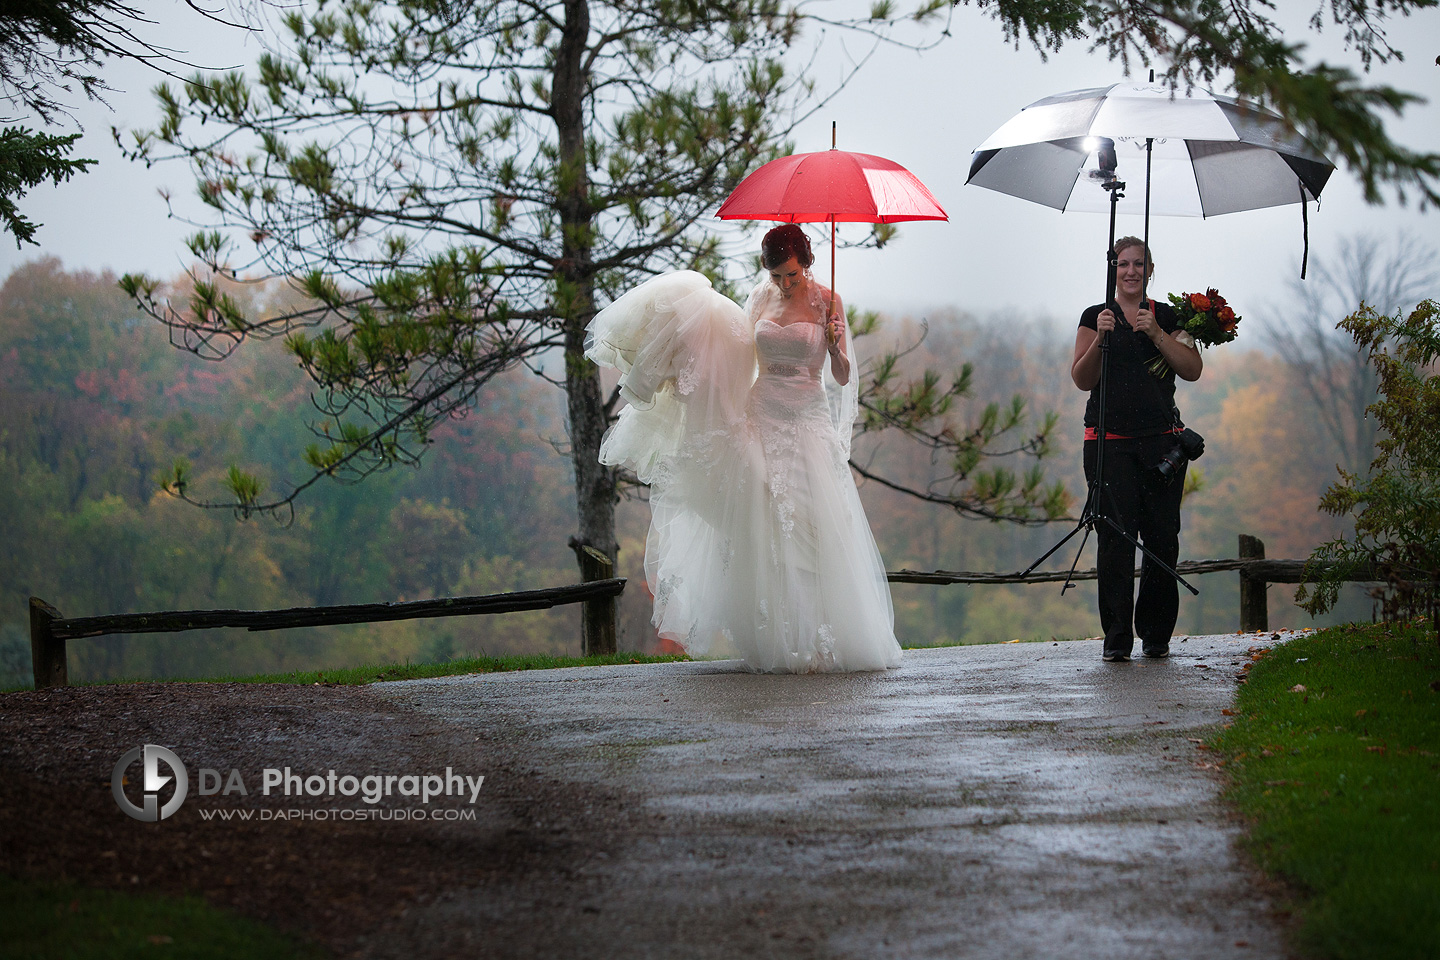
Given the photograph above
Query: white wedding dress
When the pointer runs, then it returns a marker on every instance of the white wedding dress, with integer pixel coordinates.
(758, 546)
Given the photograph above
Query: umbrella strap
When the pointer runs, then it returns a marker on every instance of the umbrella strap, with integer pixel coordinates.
(1305, 229)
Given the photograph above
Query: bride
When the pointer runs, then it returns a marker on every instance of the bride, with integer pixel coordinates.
(740, 421)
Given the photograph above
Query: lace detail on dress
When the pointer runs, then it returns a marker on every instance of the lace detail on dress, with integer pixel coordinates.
(687, 380)
(665, 590)
(785, 513)
(825, 649)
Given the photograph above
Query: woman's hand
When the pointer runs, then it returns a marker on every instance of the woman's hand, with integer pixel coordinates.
(1085, 366)
(1184, 360)
(1146, 323)
(835, 343)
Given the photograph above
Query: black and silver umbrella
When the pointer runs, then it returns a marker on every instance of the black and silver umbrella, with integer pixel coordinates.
(1198, 154)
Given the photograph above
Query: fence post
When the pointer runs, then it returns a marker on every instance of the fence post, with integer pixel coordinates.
(47, 653)
(597, 617)
(1254, 611)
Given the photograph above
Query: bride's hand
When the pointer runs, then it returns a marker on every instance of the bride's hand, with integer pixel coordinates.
(834, 331)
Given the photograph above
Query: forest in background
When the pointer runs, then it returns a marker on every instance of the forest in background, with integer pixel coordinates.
(95, 404)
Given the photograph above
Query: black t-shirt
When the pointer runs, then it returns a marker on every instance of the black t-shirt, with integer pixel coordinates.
(1137, 403)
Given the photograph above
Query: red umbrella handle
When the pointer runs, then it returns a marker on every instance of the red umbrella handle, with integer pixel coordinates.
(833, 227)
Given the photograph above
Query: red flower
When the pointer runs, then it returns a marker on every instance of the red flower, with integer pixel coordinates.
(1224, 313)
(1200, 302)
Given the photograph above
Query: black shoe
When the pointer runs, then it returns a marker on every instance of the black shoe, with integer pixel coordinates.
(1157, 653)
(1115, 656)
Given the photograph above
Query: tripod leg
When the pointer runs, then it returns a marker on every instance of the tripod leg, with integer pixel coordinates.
(1084, 524)
(1149, 554)
(1069, 581)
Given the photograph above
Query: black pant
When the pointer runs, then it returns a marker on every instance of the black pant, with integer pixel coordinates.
(1149, 509)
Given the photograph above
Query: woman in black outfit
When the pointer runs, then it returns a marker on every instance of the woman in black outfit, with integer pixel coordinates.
(1141, 423)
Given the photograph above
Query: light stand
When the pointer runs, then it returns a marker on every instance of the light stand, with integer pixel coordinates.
(1094, 510)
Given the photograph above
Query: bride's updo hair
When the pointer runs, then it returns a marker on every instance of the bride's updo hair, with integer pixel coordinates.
(784, 242)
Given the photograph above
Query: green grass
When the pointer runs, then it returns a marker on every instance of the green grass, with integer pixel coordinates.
(1341, 784)
(370, 673)
(353, 676)
(48, 921)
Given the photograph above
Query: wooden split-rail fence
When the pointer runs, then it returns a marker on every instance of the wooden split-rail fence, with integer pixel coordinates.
(50, 629)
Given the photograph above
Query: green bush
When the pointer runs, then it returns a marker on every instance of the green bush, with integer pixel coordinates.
(1396, 507)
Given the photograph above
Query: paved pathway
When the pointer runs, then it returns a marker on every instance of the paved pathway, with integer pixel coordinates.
(1005, 801)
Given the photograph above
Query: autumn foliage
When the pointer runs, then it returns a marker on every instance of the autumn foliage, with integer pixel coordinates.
(96, 405)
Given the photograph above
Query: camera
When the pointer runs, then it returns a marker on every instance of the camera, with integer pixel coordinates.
(1189, 445)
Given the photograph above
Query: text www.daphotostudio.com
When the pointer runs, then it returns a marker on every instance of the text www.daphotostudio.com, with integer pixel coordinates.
(157, 802)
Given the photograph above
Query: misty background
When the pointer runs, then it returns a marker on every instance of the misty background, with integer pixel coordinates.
(94, 401)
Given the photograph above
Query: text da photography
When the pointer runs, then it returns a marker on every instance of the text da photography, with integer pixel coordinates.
(166, 783)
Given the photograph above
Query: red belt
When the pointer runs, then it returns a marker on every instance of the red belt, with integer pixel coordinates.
(1092, 433)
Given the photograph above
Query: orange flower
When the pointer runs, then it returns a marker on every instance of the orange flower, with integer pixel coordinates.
(1200, 302)
(1225, 313)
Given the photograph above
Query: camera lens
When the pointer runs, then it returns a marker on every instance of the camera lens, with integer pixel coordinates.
(1171, 465)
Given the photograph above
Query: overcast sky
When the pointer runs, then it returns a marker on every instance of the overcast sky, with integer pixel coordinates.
(927, 111)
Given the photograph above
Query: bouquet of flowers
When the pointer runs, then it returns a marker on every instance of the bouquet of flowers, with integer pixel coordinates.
(1205, 318)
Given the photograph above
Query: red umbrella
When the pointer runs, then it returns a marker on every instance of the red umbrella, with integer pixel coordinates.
(834, 186)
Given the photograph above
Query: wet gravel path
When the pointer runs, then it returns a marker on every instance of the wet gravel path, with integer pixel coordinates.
(1009, 801)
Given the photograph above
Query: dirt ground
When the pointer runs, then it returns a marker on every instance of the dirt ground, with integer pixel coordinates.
(336, 883)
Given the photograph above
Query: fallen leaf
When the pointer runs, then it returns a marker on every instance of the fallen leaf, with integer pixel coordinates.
(1228, 713)
(1374, 749)
(1359, 713)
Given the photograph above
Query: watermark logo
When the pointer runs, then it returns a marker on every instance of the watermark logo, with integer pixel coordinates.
(151, 756)
(161, 767)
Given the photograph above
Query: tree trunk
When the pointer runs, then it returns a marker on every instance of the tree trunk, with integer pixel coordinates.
(575, 286)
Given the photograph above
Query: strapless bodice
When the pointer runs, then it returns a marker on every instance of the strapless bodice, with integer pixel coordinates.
(791, 350)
